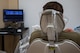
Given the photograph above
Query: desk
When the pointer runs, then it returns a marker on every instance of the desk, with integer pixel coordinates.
(10, 38)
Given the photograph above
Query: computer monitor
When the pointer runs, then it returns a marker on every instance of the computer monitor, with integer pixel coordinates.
(12, 15)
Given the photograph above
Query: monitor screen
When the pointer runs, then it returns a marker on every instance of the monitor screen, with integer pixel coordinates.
(12, 15)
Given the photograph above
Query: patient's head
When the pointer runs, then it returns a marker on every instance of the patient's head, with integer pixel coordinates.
(53, 5)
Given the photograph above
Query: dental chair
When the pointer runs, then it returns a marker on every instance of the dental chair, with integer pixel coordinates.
(52, 24)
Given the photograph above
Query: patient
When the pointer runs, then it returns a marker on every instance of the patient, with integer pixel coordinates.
(66, 34)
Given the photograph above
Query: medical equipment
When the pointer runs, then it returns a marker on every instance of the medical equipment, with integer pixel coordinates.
(52, 24)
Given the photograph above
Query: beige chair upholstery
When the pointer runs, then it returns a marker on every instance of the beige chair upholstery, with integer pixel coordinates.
(3, 52)
(41, 46)
(37, 46)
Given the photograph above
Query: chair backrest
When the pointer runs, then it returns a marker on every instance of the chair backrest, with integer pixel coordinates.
(40, 46)
(52, 24)
(37, 46)
(67, 46)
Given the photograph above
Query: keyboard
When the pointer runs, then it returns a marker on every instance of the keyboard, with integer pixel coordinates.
(3, 32)
(7, 31)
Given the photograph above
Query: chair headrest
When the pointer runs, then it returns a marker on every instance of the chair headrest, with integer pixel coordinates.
(52, 18)
(52, 23)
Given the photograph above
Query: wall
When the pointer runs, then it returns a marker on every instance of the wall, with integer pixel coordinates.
(33, 9)
(6, 4)
(3, 5)
(13, 4)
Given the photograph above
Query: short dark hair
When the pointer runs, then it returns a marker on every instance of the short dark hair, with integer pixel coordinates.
(53, 5)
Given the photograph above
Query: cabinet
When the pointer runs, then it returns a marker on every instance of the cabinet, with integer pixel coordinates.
(10, 42)
(10, 39)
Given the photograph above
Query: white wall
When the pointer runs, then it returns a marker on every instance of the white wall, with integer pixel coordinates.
(33, 8)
